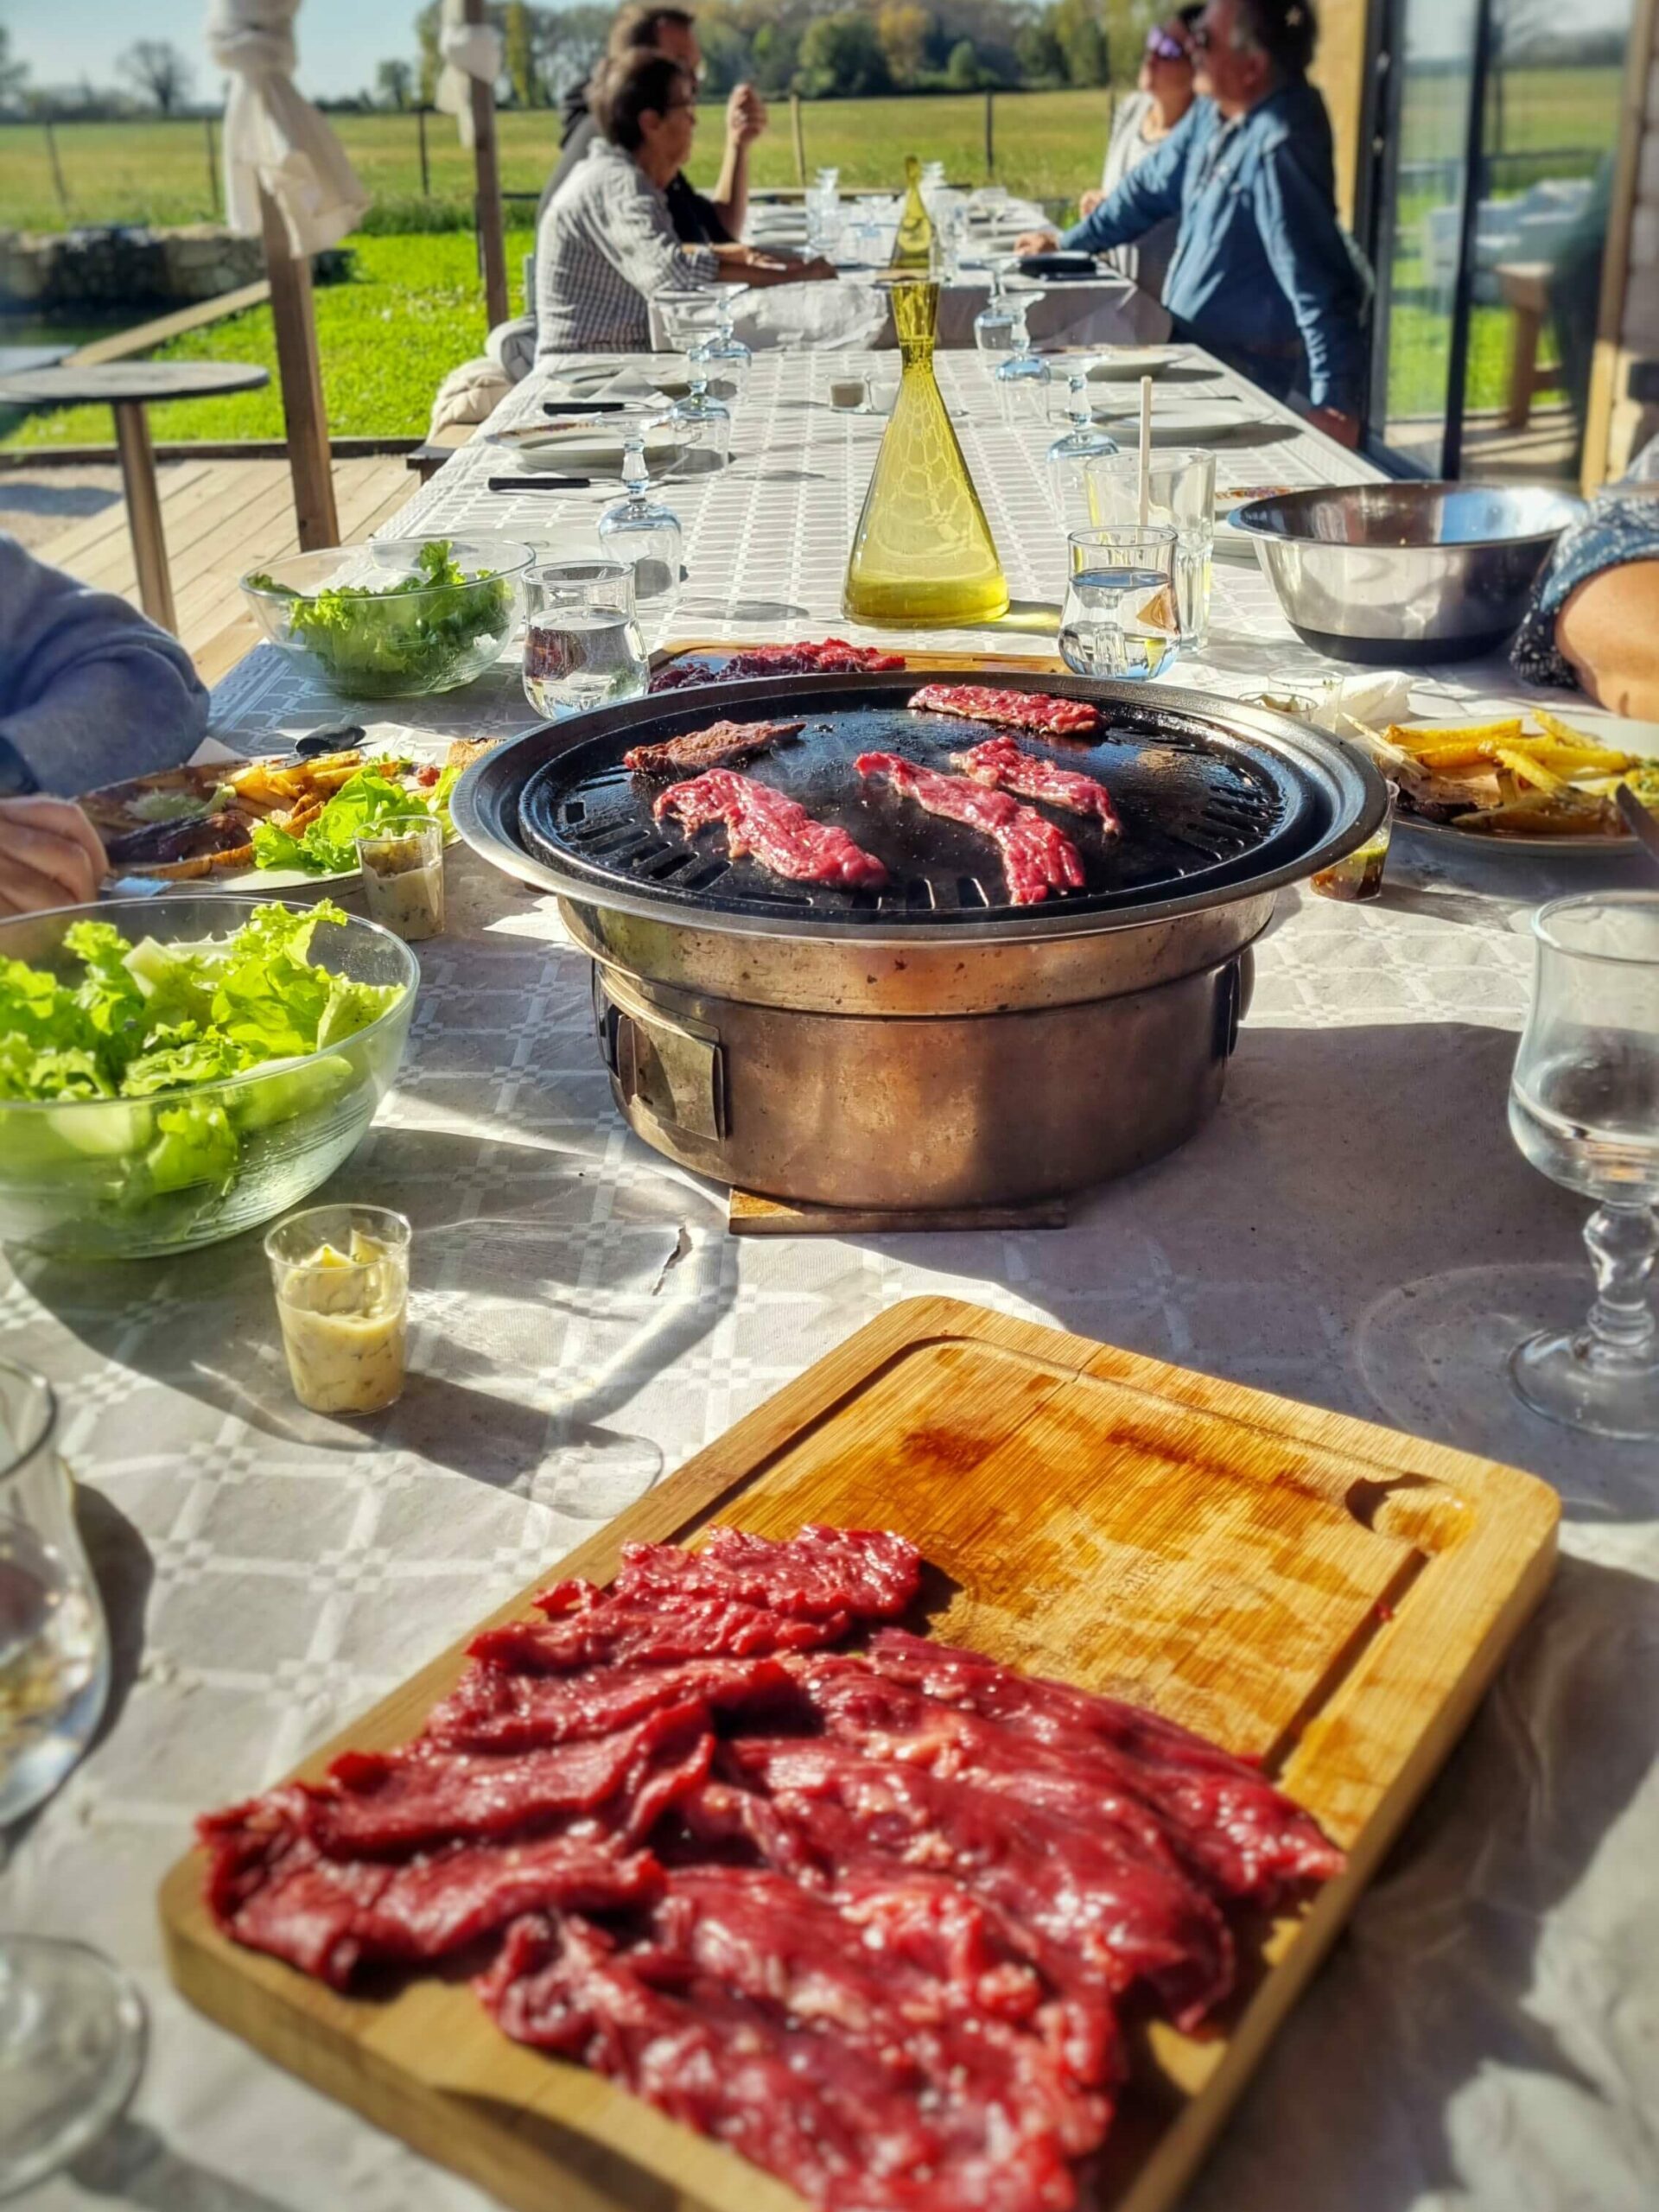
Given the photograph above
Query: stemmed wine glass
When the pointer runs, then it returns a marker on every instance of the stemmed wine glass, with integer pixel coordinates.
(71, 2028)
(1068, 456)
(993, 324)
(699, 423)
(1583, 1108)
(730, 359)
(1022, 378)
(637, 530)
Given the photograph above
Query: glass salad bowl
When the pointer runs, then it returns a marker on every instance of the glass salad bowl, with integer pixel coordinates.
(397, 619)
(144, 1147)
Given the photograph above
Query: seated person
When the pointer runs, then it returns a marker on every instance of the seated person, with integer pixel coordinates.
(1164, 92)
(608, 242)
(50, 855)
(698, 219)
(90, 689)
(1261, 276)
(1593, 623)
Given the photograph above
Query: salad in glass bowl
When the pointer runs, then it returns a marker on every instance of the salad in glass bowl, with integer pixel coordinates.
(176, 1070)
(398, 618)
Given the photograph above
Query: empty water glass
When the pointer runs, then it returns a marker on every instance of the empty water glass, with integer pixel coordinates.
(582, 643)
(1181, 492)
(1120, 616)
(994, 325)
(54, 1649)
(1022, 380)
(1084, 441)
(699, 424)
(822, 218)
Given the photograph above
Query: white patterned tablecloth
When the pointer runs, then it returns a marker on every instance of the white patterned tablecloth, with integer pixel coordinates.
(1354, 1228)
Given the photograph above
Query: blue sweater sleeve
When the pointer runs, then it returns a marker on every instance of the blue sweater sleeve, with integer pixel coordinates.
(1149, 195)
(1306, 253)
(91, 691)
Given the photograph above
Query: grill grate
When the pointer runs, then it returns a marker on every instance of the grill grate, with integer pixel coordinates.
(1198, 808)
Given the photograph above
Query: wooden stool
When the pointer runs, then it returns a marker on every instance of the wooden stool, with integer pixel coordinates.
(1525, 289)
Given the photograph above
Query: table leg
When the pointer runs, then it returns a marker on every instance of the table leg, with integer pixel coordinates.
(145, 510)
(1523, 369)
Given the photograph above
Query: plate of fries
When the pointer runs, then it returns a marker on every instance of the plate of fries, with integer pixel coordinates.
(1524, 776)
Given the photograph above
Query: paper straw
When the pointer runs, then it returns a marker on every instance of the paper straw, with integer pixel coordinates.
(1146, 451)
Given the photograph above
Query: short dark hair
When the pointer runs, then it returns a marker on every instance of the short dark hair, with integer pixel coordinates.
(638, 30)
(1186, 17)
(634, 85)
(1287, 31)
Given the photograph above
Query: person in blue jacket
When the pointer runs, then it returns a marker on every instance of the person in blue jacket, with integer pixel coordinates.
(90, 692)
(1262, 276)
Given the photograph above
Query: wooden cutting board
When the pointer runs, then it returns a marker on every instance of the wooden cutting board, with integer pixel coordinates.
(1330, 1597)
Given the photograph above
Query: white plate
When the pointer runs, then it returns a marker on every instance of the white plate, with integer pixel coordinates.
(581, 451)
(1186, 422)
(1595, 723)
(1127, 364)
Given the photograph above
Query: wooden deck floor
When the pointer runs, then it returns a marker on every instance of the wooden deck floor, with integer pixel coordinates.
(221, 518)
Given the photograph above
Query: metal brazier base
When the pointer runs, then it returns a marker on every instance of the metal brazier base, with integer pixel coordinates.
(951, 1111)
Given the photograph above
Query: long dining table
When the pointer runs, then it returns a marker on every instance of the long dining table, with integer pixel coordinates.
(1354, 1228)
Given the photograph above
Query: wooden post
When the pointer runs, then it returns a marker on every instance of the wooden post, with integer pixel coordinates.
(486, 203)
(426, 171)
(212, 163)
(299, 372)
(799, 130)
(990, 132)
(145, 510)
(57, 165)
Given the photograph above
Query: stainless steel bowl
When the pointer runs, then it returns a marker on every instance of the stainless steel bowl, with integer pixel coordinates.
(1407, 572)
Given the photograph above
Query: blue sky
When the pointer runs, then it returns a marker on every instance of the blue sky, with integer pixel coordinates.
(340, 41)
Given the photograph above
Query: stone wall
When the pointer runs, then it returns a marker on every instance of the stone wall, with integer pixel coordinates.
(130, 267)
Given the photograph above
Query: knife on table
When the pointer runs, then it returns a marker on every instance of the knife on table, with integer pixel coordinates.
(539, 483)
(1642, 825)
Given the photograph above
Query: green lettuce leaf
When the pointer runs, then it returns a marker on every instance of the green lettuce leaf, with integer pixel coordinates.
(328, 846)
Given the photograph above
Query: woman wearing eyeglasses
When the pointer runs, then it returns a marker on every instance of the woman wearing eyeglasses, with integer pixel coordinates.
(1163, 94)
(1262, 276)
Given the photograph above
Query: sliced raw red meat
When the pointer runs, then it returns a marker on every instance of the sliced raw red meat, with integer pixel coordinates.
(781, 834)
(1034, 710)
(491, 1710)
(717, 747)
(869, 1572)
(1133, 1917)
(269, 1887)
(1037, 858)
(379, 1802)
(1224, 1818)
(1001, 765)
(587, 1627)
(833, 656)
(853, 2103)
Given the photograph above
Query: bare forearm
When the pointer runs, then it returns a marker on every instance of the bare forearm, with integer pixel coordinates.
(731, 195)
(1606, 631)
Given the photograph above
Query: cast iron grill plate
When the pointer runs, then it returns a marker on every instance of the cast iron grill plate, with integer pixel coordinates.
(1201, 808)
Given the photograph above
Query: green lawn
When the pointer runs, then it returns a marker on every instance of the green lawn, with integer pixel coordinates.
(387, 339)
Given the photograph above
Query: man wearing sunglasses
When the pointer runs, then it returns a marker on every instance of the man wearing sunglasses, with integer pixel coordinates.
(1261, 276)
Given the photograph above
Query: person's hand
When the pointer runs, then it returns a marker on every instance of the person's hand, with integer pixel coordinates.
(50, 855)
(1036, 241)
(746, 115)
(1343, 428)
(1089, 202)
(815, 269)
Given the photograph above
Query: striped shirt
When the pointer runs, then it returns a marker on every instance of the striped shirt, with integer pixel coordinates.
(606, 244)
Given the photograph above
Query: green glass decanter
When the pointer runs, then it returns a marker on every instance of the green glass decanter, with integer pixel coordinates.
(922, 554)
(912, 245)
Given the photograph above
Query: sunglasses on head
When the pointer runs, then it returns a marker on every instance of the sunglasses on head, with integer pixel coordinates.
(1165, 46)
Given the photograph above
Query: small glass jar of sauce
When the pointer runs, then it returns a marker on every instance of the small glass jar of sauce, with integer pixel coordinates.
(341, 1277)
(402, 876)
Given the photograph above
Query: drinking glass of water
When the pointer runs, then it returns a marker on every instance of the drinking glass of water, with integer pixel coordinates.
(71, 2028)
(1181, 491)
(582, 643)
(1121, 616)
(1583, 1108)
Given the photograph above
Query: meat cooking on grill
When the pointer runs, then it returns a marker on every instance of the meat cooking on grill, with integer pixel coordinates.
(1033, 710)
(1000, 765)
(830, 657)
(1037, 858)
(717, 746)
(871, 1918)
(782, 835)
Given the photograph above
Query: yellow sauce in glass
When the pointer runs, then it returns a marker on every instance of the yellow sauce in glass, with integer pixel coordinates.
(345, 1322)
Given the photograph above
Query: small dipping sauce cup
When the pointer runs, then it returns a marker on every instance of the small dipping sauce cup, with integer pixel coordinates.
(402, 876)
(1359, 874)
(849, 394)
(341, 1277)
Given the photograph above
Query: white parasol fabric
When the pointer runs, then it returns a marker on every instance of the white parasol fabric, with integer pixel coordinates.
(273, 136)
(472, 52)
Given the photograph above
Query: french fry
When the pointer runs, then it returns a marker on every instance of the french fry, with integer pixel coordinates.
(1579, 759)
(1442, 758)
(1423, 737)
(1526, 768)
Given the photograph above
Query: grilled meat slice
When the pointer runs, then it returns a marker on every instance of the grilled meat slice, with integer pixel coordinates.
(1000, 765)
(1033, 710)
(717, 746)
(781, 835)
(1037, 858)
